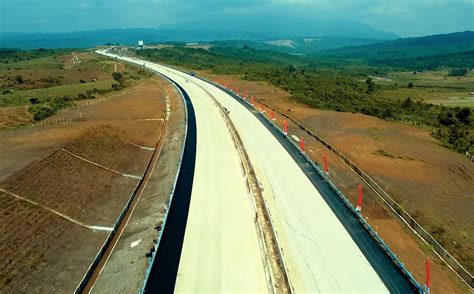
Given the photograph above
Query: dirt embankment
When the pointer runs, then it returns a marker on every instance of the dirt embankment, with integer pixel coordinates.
(125, 270)
(60, 179)
(433, 183)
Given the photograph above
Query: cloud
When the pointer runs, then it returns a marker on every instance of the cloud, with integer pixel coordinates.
(404, 17)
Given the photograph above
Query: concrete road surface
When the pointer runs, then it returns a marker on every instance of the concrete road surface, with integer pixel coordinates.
(319, 252)
(221, 250)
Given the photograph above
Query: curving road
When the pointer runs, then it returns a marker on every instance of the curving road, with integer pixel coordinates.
(220, 251)
(324, 248)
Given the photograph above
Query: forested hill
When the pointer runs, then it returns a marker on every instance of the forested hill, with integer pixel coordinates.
(410, 47)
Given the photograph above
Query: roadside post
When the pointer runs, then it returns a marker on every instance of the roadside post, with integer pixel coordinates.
(326, 167)
(428, 276)
(359, 200)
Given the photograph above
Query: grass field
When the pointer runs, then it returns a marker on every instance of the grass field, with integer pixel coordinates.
(54, 82)
(430, 86)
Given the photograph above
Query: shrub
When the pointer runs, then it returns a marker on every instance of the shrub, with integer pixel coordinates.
(19, 79)
(34, 100)
(458, 72)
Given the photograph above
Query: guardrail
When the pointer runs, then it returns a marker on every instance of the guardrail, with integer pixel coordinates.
(366, 225)
(400, 212)
(403, 215)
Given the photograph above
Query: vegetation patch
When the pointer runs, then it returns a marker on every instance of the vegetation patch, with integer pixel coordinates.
(332, 88)
(382, 152)
(45, 81)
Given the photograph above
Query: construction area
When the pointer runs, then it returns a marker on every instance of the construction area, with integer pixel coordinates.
(403, 159)
(65, 182)
(84, 192)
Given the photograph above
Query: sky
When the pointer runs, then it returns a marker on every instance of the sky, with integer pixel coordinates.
(403, 17)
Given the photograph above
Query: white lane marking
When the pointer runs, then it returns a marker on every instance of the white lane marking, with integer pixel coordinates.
(101, 166)
(142, 147)
(295, 138)
(135, 243)
(132, 176)
(77, 222)
(119, 233)
(153, 119)
(168, 105)
(101, 228)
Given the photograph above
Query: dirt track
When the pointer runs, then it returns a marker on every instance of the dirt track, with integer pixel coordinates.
(39, 250)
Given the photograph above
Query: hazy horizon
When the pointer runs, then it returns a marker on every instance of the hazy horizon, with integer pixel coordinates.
(404, 18)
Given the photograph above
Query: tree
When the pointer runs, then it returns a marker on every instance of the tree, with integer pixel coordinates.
(370, 85)
(463, 115)
(446, 118)
(34, 100)
(387, 113)
(457, 72)
(117, 76)
(19, 79)
(407, 104)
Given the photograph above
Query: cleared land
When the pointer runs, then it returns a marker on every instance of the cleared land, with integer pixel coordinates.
(432, 182)
(430, 86)
(40, 250)
(55, 81)
(125, 270)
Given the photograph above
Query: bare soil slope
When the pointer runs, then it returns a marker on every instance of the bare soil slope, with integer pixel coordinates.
(41, 249)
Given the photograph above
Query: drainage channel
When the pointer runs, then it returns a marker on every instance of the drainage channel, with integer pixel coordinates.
(162, 277)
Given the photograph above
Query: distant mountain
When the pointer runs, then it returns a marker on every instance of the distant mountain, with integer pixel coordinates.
(270, 28)
(298, 46)
(463, 59)
(282, 25)
(87, 39)
(409, 47)
(430, 52)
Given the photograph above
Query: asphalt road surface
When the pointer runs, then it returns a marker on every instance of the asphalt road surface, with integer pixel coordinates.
(324, 249)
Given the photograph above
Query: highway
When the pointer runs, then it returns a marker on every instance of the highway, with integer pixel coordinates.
(220, 251)
(324, 249)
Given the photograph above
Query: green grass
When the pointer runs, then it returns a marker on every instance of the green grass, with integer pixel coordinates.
(433, 79)
(56, 82)
(19, 98)
(341, 88)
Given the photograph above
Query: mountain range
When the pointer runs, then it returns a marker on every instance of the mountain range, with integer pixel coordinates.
(270, 27)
